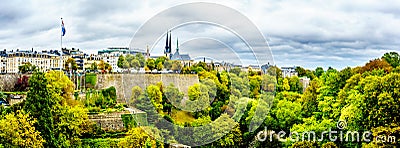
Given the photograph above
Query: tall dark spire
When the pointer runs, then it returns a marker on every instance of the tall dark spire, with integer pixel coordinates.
(177, 45)
(166, 45)
(169, 44)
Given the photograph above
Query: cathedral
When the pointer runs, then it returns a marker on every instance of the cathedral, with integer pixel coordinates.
(185, 58)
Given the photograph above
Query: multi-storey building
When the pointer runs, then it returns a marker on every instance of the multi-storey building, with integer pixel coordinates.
(289, 71)
(111, 55)
(90, 59)
(45, 60)
(77, 55)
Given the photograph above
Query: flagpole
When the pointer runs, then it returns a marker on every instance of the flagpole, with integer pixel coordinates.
(61, 60)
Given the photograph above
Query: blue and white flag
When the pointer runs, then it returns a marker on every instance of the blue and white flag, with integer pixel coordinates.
(62, 28)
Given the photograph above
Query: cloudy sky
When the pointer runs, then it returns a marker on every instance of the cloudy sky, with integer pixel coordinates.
(307, 33)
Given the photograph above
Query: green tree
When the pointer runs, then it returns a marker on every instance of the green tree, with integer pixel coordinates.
(288, 113)
(329, 145)
(141, 59)
(70, 65)
(176, 66)
(26, 67)
(343, 75)
(39, 104)
(198, 98)
(120, 61)
(309, 98)
(138, 137)
(305, 144)
(129, 58)
(295, 84)
(18, 130)
(125, 64)
(150, 64)
(392, 58)
(155, 95)
(168, 64)
(159, 66)
(274, 71)
(93, 66)
(319, 71)
(136, 93)
(135, 64)
(286, 85)
(60, 86)
(69, 124)
(300, 71)
(235, 70)
(161, 60)
(174, 96)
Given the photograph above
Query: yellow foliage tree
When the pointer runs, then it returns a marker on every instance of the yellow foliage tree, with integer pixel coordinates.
(17, 130)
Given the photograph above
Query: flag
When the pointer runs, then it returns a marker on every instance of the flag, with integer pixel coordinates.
(62, 28)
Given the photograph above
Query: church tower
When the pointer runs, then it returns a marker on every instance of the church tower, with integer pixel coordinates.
(177, 45)
(167, 50)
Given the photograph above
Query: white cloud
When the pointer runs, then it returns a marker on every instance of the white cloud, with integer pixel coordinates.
(306, 33)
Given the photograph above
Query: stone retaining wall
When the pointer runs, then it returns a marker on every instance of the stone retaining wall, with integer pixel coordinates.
(109, 121)
(124, 83)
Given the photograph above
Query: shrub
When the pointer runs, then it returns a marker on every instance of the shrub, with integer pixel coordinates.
(90, 80)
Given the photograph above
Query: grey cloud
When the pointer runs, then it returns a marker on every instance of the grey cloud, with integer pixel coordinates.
(306, 33)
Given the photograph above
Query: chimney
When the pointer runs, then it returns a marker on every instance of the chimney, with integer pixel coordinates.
(32, 49)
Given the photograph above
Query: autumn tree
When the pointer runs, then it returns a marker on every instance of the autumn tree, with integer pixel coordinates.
(286, 85)
(18, 130)
(60, 87)
(377, 64)
(139, 137)
(69, 124)
(102, 65)
(155, 95)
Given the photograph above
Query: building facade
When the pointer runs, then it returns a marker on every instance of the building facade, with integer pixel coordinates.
(289, 71)
(44, 61)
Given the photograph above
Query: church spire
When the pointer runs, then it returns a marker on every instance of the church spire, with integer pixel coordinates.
(177, 45)
(166, 45)
(169, 43)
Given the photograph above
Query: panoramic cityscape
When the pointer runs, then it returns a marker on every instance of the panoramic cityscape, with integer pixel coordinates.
(199, 74)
